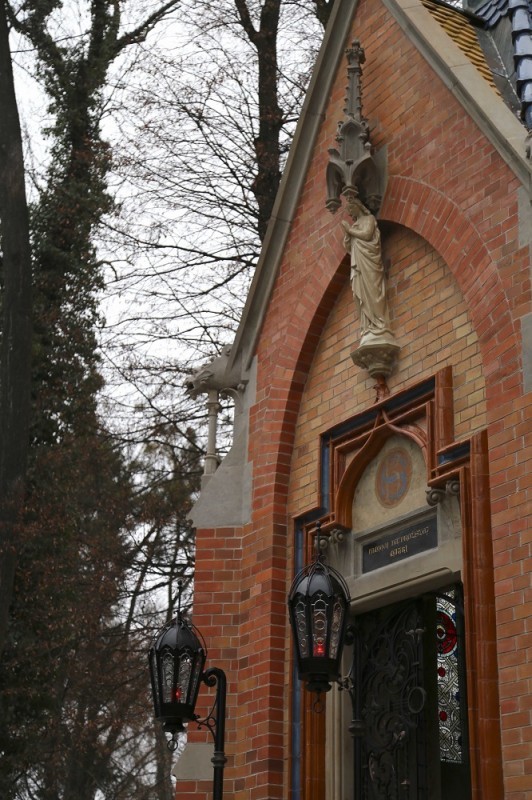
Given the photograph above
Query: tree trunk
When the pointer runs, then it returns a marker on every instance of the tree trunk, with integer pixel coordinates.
(322, 9)
(270, 118)
(15, 348)
(267, 145)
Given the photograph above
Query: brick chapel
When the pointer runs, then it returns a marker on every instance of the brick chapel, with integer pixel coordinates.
(382, 379)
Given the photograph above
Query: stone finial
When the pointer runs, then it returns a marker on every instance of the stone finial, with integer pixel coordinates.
(352, 167)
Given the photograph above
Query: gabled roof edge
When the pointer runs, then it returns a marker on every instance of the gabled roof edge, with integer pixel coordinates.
(486, 108)
(493, 117)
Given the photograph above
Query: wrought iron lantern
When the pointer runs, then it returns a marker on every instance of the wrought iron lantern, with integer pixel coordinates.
(176, 659)
(318, 605)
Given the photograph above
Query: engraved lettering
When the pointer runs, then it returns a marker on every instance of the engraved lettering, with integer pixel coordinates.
(398, 551)
(377, 548)
(390, 548)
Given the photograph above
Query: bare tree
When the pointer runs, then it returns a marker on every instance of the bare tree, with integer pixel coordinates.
(72, 678)
(196, 169)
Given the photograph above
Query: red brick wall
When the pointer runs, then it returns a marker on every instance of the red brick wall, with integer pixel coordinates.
(459, 281)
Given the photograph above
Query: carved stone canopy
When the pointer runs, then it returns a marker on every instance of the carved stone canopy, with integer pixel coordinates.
(352, 168)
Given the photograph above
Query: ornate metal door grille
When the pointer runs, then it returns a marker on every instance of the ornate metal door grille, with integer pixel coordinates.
(408, 701)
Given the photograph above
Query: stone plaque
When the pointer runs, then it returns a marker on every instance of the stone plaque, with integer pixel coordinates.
(392, 547)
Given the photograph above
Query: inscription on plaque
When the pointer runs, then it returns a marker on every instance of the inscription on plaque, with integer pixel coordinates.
(393, 547)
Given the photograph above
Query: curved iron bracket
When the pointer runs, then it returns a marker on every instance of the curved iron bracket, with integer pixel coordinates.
(215, 723)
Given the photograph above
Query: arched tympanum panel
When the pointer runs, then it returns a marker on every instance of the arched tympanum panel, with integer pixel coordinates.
(373, 444)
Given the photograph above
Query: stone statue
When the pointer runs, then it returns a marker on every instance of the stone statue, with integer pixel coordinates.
(378, 350)
(363, 242)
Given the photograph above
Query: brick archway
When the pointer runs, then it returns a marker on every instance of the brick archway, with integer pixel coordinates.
(445, 227)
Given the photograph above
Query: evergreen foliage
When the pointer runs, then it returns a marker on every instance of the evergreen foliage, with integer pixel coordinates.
(73, 683)
(100, 534)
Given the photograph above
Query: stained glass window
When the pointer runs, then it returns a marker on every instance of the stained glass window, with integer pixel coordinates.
(448, 679)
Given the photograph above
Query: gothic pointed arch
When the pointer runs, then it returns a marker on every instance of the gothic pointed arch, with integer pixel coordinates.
(446, 227)
(373, 442)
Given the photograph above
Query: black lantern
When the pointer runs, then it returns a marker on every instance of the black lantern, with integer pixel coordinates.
(176, 658)
(318, 604)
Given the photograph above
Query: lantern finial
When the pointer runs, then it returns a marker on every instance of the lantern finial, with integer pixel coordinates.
(179, 595)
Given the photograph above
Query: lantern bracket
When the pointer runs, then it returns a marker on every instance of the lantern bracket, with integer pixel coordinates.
(347, 683)
(214, 677)
(350, 633)
(215, 724)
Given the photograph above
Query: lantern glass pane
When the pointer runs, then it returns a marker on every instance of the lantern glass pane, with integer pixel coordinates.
(196, 675)
(167, 676)
(336, 627)
(185, 670)
(319, 627)
(301, 624)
